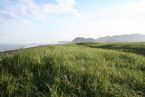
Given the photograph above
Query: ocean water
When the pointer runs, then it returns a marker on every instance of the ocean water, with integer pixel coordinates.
(7, 47)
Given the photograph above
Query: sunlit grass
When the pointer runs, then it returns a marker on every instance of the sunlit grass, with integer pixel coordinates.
(72, 71)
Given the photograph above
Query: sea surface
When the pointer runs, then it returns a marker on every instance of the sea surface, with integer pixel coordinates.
(7, 47)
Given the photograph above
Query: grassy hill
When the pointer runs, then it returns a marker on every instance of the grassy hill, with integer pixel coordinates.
(74, 70)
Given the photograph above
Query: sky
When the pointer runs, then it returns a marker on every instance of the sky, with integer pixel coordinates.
(50, 21)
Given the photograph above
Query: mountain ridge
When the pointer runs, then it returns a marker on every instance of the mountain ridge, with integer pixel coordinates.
(116, 38)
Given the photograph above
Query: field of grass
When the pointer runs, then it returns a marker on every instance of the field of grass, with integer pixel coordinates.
(138, 48)
(74, 70)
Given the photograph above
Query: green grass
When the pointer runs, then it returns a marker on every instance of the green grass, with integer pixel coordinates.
(138, 48)
(72, 71)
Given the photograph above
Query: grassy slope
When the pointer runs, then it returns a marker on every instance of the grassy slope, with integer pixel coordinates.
(72, 71)
(138, 48)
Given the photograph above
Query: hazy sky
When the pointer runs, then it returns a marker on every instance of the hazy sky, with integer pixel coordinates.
(49, 21)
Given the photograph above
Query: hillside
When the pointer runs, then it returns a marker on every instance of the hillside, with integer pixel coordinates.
(119, 38)
(74, 70)
(123, 38)
(81, 39)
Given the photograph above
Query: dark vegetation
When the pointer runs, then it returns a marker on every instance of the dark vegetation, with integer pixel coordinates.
(138, 48)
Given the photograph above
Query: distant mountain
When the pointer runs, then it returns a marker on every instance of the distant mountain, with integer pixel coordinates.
(119, 38)
(123, 38)
(81, 39)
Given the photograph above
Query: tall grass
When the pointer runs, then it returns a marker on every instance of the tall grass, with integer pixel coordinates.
(138, 48)
(72, 71)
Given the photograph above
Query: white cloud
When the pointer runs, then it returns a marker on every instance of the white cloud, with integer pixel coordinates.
(20, 17)
(118, 19)
(29, 8)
